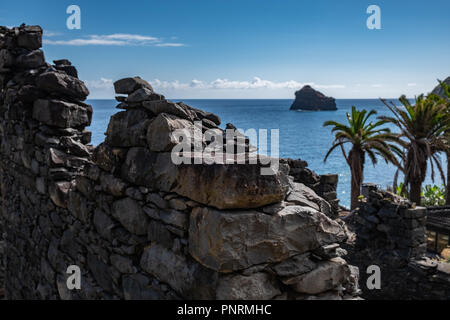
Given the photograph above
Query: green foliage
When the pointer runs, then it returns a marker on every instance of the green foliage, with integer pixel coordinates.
(430, 196)
(401, 190)
(433, 195)
(363, 134)
(421, 128)
(365, 138)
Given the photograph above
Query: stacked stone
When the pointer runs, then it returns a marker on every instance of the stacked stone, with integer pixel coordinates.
(387, 221)
(184, 211)
(42, 148)
(430, 279)
(325, 186)
(137, 225)
(391, 234)
(2, 263)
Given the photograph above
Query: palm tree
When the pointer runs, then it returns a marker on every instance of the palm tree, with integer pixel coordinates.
(365, 137)
(443, 92)
(421, 135)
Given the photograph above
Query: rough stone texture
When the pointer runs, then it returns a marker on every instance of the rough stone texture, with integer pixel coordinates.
(127, 129)
(137, 225)
(178, 110)
(391, 234)
(257, 286)
(129, 85)
(219, 241)
(61, 83)
(160, 132)
(386, 220)
(326, 276)
(61, 114)
(223, 186)
(130, 215)
(30, 37)
(309, 99)
(295, 266)
(325, 186)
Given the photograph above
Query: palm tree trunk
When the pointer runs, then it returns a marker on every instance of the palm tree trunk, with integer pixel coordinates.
(356, 187)
(447, 196)
(356, 158)
(416, 164)
(415, 191)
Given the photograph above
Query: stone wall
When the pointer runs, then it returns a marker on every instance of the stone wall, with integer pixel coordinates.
(391, 234)
(137, 225)
(324, 186)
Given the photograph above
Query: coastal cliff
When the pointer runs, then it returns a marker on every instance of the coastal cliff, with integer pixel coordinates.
(439, 90)
(309, 99)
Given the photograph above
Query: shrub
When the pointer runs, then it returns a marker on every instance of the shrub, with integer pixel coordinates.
(433, 196)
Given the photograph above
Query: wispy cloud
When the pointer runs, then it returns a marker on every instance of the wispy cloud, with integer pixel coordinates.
(116, 39)
(376, 85)
(170, 44)
(84, 42)
(103, 83)
(48, 33)
(127, 37)
(219, 84)
(412, 84)
(255, 83)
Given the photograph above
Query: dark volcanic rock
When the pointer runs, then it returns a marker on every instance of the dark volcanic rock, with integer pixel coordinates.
(59, 83)
(309, 99)
(141, 218)
(127, 129)
(61, 114)
(129, 85)
(30, 37)
(33, 59)
(230, 186)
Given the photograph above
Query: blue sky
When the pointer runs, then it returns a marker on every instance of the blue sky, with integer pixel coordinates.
(248, 48)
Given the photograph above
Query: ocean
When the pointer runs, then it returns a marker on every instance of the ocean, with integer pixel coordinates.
(301, 133)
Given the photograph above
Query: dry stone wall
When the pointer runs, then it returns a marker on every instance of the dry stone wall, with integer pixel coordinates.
(391, 234)
(137, 225)
(324, 186)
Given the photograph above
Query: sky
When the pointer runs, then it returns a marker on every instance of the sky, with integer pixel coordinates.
(248, 48)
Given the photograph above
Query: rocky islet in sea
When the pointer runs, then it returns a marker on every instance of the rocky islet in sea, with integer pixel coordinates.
(312, 100)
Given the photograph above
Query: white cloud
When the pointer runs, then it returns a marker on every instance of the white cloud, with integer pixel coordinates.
(255, 83)
(126, 37)
(48, 33)
(116, 39)
(219, 84)
(170, 44)
(102, 88)
(412, 84)
(103, 83)
(85, 42)
(376, 85)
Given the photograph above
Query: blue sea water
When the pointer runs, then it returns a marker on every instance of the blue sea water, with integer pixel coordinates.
(301, 134)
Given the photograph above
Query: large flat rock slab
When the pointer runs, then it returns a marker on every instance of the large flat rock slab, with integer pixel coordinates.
(233, 240)
(223, 186)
